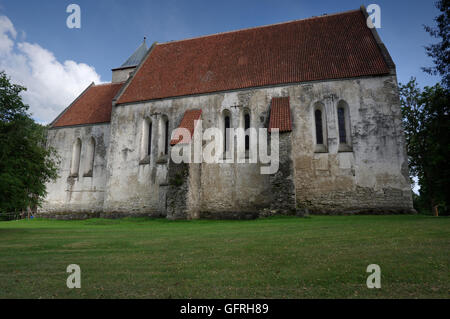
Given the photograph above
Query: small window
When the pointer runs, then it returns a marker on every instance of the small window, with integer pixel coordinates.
(319, 127)
(166, 137)
(341, 123)
(76, 154)
(247, 134)
(149, 143)
(146, 141)
(344, 131)
(89, 169)
(226, 140)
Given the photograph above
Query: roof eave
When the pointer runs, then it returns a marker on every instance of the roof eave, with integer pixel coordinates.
(384, 52)
(124, 67)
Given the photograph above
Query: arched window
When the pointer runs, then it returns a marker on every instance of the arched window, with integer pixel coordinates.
(76, 152)
(246, 127)
(149, 139)
(343, 118)
(226, 131)
(341, 123)
(146, 141)
(320, 127)
(164, 136)
(90, 153)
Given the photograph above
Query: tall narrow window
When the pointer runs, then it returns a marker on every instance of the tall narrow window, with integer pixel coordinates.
(149, 143)
(89, 169)
(319, 127)
(146, 141)
(76, 152)
(341, 124)
(344, 127)
(247, 134)
(226, 140)
(166, 137)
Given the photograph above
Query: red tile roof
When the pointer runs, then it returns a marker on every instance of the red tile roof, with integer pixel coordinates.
(318, 48)
(188, 122)
(280, 114)
(92, 106)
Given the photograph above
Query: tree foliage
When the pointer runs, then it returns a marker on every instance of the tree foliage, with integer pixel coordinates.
(26, 164)
(440, 52)
(426, 122)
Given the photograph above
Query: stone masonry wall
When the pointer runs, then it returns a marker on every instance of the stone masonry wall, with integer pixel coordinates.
(370, 175)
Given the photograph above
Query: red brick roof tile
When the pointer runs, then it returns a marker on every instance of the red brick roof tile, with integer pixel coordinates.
(92, 106)
(188, 122)
(318, 48)
(280, 114)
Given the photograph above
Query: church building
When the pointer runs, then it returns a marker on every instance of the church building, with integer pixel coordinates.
(325, 87)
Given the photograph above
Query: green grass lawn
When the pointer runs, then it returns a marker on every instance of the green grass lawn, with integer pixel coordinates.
(280, 257)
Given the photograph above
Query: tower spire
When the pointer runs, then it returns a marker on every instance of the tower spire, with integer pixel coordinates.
(137, 56)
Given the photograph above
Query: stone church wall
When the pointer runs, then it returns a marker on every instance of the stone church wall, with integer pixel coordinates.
(81, 196)
(368, 175)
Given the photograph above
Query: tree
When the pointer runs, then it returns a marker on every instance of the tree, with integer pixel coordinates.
(26, 164)
(426, 121)
(440, 52)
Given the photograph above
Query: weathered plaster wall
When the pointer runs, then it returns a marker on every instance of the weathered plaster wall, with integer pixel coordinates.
(369, 176)
(82, 196)
(223, 188)
(121, 75)
(373, 177)
(133, 184)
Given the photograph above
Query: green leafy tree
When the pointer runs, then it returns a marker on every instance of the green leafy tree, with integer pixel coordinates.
(426, 121)
(26, 164)
(440, 52)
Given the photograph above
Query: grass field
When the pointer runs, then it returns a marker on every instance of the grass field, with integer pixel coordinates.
(280, 257)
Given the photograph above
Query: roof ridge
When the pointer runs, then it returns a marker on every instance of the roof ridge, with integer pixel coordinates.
(261, 27)
(108, 83)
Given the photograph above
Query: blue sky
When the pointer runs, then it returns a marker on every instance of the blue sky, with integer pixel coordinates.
(112, 29)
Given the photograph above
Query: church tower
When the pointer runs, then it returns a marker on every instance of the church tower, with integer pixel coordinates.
(123, 72)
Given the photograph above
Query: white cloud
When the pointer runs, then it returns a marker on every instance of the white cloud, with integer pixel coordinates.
(51, 85)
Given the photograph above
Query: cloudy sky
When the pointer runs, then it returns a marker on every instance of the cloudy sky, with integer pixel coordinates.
(56, 63)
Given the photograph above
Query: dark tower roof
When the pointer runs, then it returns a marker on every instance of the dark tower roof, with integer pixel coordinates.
(136, 57)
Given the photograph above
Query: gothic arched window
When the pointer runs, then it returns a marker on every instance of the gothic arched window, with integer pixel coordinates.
(149, 139)
(146, 141)
(76, 154)
(226, 131)
(246, 127)
(341, 123)
(343, 118)
(319, 126)
(89, 169)
(166, 136)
